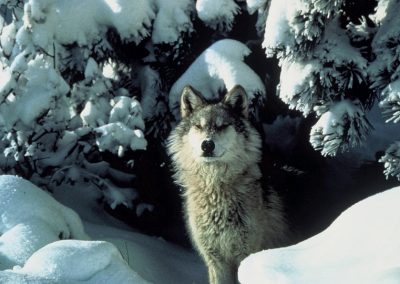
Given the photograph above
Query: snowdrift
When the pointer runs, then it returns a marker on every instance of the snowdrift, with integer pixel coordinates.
(361, 246)
(43, 241)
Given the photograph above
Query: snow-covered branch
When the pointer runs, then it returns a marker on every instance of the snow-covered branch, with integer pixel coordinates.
(58, 103)
(342, 126)
(218, 14)
(220, 66)
(391, 160)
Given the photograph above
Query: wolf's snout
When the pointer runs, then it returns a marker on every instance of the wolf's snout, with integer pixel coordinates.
(207, 146)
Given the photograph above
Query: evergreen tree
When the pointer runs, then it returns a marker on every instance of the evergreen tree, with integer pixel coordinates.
(384, 73)
(85, 86)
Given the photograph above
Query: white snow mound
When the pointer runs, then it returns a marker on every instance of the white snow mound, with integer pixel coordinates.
(33, 249)
(220, 65)
(30, 219)
(361, 246)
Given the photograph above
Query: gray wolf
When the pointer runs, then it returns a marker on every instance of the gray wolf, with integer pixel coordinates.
(215, 153)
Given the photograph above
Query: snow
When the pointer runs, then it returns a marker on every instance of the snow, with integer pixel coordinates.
(329, 131)
(7, 82)
(300, 77)
(335, 47)
(219, 66)
(116, 137)
(85, 22)
(150, 82)
(391, 160)
(7, 38)
(360, 246)
(389, 104)
(30, 219)
(297, 77)
(63, 260)
(277, 31)
(172, 19)
(379, 139)
(381, 10)
(291, 22)
(118, 122)
(254, 5)
(42, 88)
(44, 241)
(217, 13)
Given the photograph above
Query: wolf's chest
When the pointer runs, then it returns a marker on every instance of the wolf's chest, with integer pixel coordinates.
(219, 226)
(213, 213)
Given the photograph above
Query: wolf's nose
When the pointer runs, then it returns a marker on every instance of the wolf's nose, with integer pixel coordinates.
(207, 146)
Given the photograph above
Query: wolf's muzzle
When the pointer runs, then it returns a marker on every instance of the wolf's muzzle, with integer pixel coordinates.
(208, 147)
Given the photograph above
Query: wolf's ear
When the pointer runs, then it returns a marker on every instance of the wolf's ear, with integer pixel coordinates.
(190, 100)
(237, 100)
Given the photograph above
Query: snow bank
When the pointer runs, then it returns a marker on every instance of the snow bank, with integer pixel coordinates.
(219, 66)
(32, 223)
(156, 260)
(361, 246)
(30, 219)
(73, 260)
(34, 228)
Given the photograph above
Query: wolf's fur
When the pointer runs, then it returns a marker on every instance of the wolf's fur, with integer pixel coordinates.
(225, 211)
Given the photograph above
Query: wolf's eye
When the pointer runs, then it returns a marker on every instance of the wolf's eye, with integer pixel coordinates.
(198, 126)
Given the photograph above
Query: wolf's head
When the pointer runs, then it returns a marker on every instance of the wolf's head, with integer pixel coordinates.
(211, 132)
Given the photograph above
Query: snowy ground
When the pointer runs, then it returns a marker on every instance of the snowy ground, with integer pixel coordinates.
(32, 224)
(43, 241)
(361, 246)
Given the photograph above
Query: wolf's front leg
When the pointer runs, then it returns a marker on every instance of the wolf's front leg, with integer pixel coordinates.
(222, 273)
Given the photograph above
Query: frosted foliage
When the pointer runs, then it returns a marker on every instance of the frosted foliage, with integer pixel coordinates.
(385, 46)
(391, 102)
(320, 68)
(261, 6)
(150, 84)
(117, 121)
(154, 104)
(39, 87)
(391, 161)
(219, 66)
(344, 124)
(381, 10)
(123, 127)
(172, 19)
(61, 98)
(334, 69)
(86, 22)
(386, 73)
(335, 47)
(295, 26)
(298, 84)
(254, 5)
(7, 38)
(218, 14)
